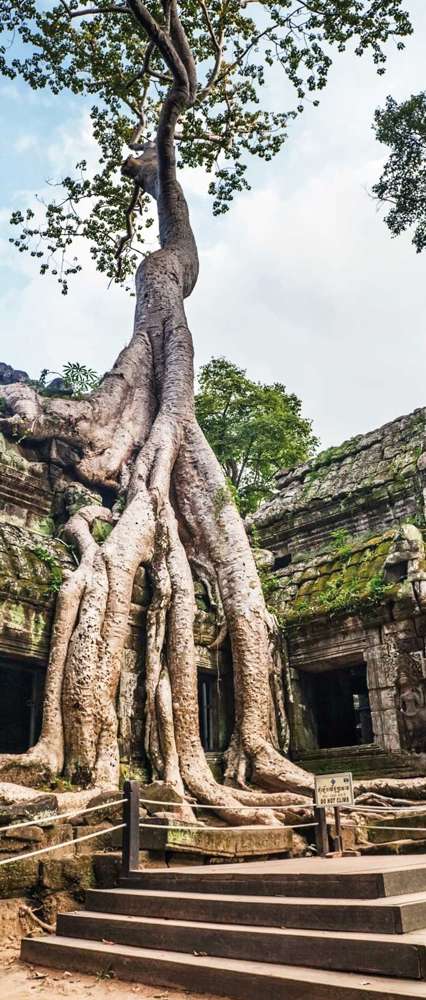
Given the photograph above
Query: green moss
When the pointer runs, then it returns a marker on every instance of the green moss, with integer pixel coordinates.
(352, 578)
(133, 772)
(49, 560)
(16, 616)
(101, 530)
(221, 498)
(45, 526)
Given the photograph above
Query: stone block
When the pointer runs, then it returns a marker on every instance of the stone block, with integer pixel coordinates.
(246, 842)
(106, 869)
(26, 834)
(38, 807)
(391, 742)
(105, 814)
(18, 878)
(67, 874)
(111, 838)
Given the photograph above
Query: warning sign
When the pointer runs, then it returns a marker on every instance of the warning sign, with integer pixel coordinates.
(334, 790)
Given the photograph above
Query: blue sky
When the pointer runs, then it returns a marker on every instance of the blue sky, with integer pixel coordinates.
(300, 283)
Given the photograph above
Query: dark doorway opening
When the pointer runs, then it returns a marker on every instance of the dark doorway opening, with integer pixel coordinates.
(21, 706)
(342, 707)
(208, 704)
(216, 708)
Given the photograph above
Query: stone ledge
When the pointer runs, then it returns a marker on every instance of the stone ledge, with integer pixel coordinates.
(254, 841)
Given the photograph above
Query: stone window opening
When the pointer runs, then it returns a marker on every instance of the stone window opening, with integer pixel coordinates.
(21, 705)
(280, 562)
(395, 572)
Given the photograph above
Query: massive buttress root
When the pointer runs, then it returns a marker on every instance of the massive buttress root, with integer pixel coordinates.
(138, 433)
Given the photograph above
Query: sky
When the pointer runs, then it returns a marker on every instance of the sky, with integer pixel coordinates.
(300, 282)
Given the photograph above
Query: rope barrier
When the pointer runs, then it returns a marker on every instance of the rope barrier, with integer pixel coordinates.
(415, 810)
(209, 829)
(57, 847)
(50, 820)
(195, 805)
(414, 829)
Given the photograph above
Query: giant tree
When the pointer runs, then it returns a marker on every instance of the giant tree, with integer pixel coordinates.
(179, 84)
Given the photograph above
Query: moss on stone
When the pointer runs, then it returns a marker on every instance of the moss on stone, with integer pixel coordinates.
(344, 580)
(18, 878)
(101, 530)
(44, 526)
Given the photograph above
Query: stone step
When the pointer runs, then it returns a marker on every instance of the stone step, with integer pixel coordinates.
(376, 954)
(242, 980)
(389, 915)
(307, 877)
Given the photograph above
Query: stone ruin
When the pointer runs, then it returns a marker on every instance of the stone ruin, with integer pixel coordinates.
(341, 550)
(345, 548)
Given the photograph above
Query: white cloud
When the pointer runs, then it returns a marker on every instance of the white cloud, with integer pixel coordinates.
(25, 143)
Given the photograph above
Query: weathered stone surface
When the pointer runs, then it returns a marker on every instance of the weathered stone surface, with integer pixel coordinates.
(159, 791)
(348, 584)
(362, 486)
(18, 878)
(107, 841)
(222, 842)
(107, 869)
(33, 806)
(67, 873)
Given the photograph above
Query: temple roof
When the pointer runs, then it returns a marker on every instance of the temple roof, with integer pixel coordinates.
(351, 576)
(367, 485)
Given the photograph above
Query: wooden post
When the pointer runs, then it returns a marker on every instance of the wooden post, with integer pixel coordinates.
(321, 832)
(130, 859)
(338, 825)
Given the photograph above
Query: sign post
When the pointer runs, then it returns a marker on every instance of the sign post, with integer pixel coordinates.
(332, 791)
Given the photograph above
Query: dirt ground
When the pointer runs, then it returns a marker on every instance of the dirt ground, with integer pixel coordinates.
(27, 982)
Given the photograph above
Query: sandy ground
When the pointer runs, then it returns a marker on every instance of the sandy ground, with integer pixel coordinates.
(27, 982)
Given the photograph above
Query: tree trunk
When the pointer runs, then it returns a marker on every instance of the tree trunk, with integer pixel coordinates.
(138, 433)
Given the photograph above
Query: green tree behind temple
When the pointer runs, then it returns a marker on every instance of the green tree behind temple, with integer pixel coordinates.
(402, 185)
(254, 429)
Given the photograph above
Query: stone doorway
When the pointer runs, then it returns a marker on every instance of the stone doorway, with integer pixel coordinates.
(21, 705)
(341, 707)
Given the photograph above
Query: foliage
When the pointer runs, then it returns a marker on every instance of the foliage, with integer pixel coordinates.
(77, 378)
(96, 51)
(350, 579)
(402, 184)
(46, 557)
(254, 429)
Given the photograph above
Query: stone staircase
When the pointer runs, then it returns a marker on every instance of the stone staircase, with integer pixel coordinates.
(308, 929)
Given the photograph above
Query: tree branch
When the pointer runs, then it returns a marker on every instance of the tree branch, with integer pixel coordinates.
(162, 41)
(112, 9)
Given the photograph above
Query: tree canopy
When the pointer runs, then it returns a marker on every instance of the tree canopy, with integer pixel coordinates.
(254, 429)
(119, 57)
(402, 184)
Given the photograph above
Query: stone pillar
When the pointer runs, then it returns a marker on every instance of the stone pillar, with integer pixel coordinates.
(383, 665)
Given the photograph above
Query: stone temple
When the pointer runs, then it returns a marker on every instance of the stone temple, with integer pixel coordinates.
(342, 552)
(347, 578)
